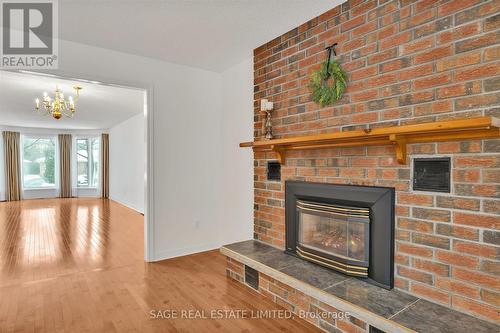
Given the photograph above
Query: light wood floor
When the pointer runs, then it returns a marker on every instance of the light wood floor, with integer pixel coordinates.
(76, 265)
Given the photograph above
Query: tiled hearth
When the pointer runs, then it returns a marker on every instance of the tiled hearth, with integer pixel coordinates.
(298, 285)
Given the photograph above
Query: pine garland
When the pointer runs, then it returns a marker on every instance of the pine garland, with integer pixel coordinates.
(328, 84)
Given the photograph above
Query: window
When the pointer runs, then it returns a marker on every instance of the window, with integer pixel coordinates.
(39, 161)
(87, 157)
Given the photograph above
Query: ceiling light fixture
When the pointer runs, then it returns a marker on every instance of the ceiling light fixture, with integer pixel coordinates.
(58, 106)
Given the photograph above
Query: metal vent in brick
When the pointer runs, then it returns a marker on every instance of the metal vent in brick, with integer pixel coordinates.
(252, 277)
(273, 171)
(431, 174)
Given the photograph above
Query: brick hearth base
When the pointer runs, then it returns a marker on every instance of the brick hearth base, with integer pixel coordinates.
(336, 302)
(297, 302)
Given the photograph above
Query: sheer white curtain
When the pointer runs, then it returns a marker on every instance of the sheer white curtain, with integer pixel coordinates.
(47, 192)
(83, 191)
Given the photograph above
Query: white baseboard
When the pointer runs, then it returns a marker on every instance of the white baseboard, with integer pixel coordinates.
(126, 205)
(237, 240)
(168, 254)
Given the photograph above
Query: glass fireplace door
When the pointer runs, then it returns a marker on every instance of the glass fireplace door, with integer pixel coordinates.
(335, 235)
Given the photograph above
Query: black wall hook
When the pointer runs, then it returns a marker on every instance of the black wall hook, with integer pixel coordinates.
(330, 49)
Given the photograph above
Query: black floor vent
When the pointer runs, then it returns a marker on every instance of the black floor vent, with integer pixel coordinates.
(252, 277)
(431, 174)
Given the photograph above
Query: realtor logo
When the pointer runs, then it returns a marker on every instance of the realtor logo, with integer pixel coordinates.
(29, 34)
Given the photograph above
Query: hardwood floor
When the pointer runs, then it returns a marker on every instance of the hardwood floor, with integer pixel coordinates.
(76, 265)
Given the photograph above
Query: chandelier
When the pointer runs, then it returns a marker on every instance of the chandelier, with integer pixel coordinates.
(58, 106)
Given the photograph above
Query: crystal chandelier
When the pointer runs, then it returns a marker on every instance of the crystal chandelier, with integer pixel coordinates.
(57, 106)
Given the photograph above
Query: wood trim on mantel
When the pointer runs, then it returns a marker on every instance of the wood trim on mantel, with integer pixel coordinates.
(399, 136)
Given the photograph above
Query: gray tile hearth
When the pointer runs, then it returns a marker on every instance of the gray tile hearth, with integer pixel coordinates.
(277, 261)
(250, 247)
(391, 309)
(424, 316)
(381, 301)
(264, 254)
(314, 275)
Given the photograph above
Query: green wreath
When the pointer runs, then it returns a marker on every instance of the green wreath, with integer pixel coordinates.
(328, 83)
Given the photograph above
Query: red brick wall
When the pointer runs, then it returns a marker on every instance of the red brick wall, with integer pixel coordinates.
(407, 61)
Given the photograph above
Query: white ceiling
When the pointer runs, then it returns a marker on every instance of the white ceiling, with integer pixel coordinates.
(209, 34)
(99, 106)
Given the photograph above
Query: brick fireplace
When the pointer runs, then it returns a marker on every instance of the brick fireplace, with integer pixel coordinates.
(408, 62)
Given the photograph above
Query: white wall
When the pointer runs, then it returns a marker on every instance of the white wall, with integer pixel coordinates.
(236, 198)
(127, 153)
(189, 144)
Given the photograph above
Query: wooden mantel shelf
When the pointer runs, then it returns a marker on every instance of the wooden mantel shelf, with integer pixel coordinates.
(399, 136)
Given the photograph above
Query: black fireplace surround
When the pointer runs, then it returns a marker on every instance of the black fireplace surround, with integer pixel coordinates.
(365, 212)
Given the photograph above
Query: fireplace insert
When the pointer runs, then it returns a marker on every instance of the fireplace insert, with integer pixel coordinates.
(346, 228)
(334, 236)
